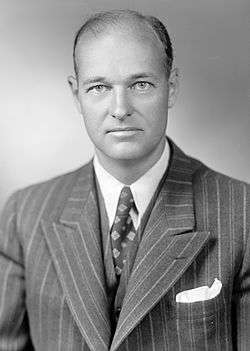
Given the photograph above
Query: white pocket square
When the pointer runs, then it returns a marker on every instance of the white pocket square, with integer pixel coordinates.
(200, 294)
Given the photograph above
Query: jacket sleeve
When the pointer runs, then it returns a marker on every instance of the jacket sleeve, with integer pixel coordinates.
(14, 330)
(241, 298)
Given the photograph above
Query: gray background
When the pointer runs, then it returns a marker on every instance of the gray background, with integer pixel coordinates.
(41, 134)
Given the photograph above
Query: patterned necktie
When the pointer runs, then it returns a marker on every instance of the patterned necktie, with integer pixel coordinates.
(123, 229)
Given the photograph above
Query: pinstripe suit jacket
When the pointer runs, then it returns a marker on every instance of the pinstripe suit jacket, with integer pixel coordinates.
(52, 293)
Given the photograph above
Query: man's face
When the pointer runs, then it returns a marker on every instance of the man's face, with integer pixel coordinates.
(122, 94)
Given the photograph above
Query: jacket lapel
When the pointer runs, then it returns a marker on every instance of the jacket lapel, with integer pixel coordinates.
(74, 241)
(168, 246)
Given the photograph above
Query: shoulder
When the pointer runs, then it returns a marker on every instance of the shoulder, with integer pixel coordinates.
(213, 180)
(26, 203)
(199, 172)
(210, 185)
(219, 196)
(55, 185)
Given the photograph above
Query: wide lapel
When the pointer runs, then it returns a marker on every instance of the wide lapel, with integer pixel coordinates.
(168, 246)
(74, 241)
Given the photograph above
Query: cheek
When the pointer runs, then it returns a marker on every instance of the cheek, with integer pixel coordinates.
(156, 116)
(154, 104)
(91, 125)
(92, 117)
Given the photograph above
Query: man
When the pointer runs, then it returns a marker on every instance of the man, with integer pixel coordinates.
(144, 248)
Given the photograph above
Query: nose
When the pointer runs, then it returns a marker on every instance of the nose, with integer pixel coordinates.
(120, 106)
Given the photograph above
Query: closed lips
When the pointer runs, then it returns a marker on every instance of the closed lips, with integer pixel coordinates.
(125, 129)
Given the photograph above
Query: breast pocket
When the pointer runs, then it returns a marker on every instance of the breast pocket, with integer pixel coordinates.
(202, 325)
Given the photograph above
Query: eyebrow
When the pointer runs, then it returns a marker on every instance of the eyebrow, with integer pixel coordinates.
(132, 77)
(94, 80)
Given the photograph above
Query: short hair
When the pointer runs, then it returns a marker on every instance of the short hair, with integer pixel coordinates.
(100, 21)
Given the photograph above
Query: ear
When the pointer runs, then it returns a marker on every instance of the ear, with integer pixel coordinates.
(173, 83)
(73, 84)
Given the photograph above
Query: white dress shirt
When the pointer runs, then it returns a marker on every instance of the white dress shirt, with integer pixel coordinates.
(142, 189)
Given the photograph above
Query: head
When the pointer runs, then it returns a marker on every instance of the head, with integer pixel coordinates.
(124, 84)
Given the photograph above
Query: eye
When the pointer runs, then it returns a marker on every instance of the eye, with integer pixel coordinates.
(142, 86)
(98, 89)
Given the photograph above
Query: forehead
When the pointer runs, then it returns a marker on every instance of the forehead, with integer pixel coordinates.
(120, 52)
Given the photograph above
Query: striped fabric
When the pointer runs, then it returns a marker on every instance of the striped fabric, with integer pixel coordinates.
(53, 292)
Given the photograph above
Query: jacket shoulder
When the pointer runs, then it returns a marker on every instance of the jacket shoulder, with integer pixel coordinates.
(198, 171)
(211, 176)
(218, 190)
(60, 182)
(29, 203)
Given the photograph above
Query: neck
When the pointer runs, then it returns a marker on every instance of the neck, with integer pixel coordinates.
(127, 171)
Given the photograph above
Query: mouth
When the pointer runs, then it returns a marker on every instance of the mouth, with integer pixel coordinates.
(124, 130)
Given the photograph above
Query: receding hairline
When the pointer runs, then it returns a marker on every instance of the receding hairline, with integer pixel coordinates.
(105, 22)
(131, 31)
(132, 25)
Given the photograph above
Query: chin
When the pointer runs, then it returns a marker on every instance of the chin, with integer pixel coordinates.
(126, 155)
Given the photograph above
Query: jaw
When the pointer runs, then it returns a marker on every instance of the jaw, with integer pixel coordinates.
(128, 161)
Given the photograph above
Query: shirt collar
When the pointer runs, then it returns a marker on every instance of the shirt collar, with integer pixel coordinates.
(143, 189)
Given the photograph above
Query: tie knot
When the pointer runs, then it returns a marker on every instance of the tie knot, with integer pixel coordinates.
(126, 201)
